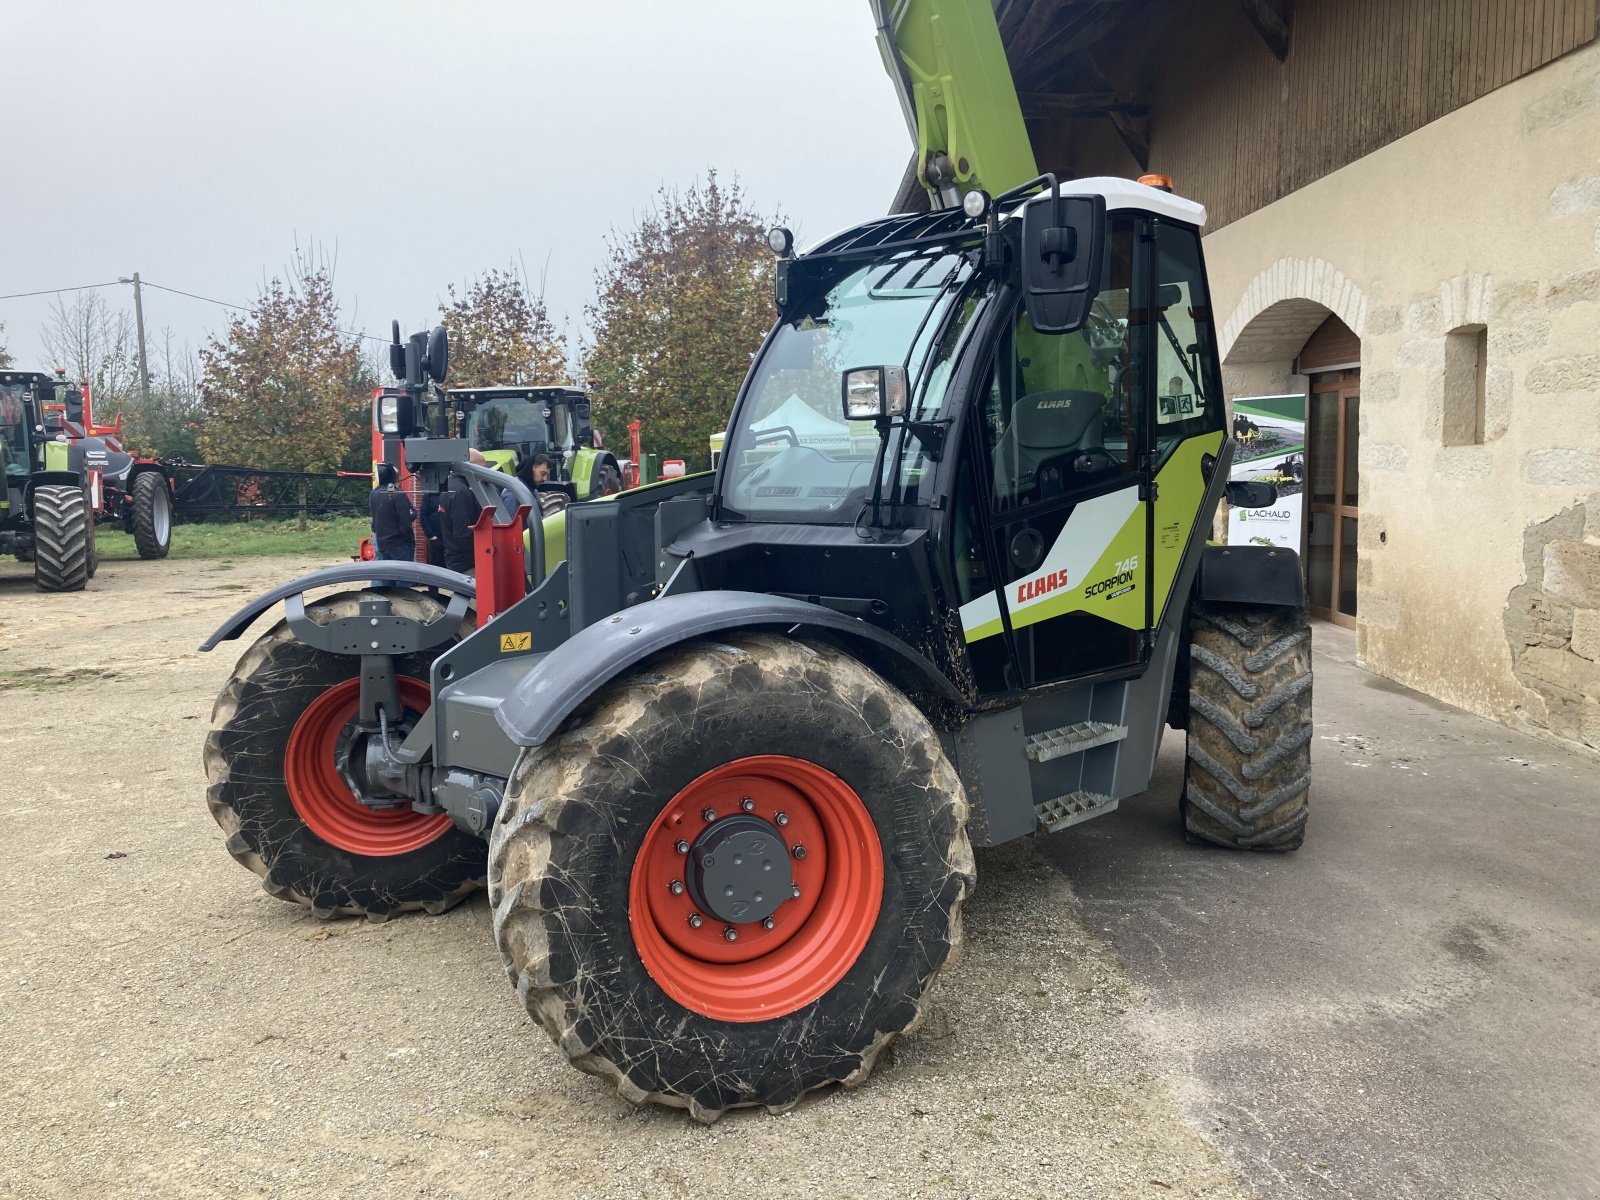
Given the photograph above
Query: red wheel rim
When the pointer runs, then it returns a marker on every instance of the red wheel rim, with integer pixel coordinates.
(321, 796)
(815, 938)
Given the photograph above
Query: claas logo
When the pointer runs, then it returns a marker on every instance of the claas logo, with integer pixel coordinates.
(1031, 589)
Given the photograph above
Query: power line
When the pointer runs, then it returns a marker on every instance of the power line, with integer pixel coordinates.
(57, 291)
(243, 308)
(177, 292)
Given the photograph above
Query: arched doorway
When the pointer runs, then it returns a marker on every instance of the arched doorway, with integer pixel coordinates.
(1292, 350)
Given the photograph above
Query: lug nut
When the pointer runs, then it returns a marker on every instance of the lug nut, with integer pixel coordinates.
(730, 934)
(799, 851)
(782, 819)
(794, 890)
(709, 814)
(682, 847)
(747, 804)
(676, 887)
(696, 920)
(768, 923)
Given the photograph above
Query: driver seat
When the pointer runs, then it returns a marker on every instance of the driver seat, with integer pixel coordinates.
(1065, 424)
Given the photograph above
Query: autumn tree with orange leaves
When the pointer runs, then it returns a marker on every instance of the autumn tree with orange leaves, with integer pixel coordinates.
(501, 333)
(681, 304)
(286, 389)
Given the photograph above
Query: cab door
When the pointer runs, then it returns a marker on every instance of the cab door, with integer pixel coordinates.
(1059, 447)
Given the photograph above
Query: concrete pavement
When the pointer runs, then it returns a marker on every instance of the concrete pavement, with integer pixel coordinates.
(1408, 1006)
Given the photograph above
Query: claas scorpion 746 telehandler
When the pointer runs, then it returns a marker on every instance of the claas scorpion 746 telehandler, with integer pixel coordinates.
(946, 586)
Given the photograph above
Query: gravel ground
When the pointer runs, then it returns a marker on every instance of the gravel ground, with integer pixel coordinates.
(170, 1030)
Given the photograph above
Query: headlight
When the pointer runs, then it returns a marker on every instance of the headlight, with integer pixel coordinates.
(389, 414)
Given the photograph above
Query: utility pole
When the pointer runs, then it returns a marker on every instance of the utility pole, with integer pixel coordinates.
(144, 360)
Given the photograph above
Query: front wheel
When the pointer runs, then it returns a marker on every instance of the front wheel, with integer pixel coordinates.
(63, 530)
(1247, 773)
(733, 876)
(281, 733)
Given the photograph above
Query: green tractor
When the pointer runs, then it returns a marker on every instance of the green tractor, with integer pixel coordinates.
(512, 424)
(47, 509)
(723, 767)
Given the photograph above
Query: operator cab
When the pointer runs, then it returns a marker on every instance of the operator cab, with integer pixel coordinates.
(512, 424)
(1046, 436)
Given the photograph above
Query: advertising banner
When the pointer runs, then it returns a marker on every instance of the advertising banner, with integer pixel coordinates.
(1271, 435)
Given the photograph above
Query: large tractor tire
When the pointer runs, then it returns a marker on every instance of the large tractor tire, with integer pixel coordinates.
(272, 760)
(61, 533)
(706, 918)
(607, 481)
(1247, 778)
(152, 515)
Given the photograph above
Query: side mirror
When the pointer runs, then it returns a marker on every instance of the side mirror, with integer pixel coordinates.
(1251, 493)
(438, 354)
(1063, 246)
(397, 354)
(874, 392)
(75, 406)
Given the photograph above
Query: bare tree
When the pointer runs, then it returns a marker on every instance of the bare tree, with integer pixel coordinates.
(93, 341)
(5, 355)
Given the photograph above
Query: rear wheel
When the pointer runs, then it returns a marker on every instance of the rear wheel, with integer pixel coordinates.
(1247, 777)
(733, 876)
(280, 732)
(152, 515)
(61, 533)
(607, 481)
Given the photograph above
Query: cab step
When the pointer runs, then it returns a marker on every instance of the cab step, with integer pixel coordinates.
(1055, 815)
(1073, 739)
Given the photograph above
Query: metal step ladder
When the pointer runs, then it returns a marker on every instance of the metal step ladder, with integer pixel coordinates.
(1073, 739)
(1055, 815)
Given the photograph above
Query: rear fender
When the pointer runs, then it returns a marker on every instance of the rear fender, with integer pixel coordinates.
(421, 574)
(567, 676)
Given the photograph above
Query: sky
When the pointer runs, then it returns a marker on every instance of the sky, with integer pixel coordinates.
(420, 144)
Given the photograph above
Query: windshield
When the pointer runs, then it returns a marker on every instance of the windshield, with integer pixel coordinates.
(508, 422)
(791, 455)
(14, 428)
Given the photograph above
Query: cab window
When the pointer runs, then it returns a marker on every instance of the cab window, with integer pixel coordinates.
(1061, 412)
(1188, 390)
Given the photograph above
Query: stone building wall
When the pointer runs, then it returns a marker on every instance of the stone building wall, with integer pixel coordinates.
(1477, 234)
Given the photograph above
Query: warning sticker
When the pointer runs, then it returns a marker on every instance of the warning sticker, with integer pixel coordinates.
(512, 642)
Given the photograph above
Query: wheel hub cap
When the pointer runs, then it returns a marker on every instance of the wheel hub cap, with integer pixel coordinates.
(739, 870)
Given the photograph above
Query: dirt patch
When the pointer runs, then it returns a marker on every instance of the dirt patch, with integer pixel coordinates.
(171, 1030)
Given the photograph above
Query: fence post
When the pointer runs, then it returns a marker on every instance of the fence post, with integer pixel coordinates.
(303, 489)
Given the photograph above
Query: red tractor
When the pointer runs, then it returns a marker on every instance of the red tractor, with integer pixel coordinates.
(125, 488)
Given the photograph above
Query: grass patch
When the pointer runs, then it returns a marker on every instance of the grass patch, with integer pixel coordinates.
(332, 537)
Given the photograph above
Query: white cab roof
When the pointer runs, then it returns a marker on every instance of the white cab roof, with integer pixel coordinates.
(1122, 194)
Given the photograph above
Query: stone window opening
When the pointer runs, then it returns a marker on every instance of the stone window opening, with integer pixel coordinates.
(1466, 362)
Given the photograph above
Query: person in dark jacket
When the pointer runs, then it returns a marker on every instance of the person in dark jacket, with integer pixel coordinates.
(393, 518)
(458, 513)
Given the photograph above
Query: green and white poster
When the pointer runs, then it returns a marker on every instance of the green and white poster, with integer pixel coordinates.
(1270, 437)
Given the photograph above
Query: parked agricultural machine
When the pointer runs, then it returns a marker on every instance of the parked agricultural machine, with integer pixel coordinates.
(125, 489)
(731, 755)
(65, 475)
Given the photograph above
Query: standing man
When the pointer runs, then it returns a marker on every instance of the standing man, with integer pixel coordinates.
(458, 513)
(392, 521)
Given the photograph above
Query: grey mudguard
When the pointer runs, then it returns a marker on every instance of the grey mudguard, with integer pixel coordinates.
(595, 656)
(361, 572)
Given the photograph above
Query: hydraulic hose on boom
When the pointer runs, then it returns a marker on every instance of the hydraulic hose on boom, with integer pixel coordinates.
(960, 102)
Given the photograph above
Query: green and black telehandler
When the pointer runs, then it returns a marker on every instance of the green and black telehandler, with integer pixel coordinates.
(947, 586)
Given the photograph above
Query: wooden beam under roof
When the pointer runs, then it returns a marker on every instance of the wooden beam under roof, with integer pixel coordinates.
(1038, 105)
(1273, 21)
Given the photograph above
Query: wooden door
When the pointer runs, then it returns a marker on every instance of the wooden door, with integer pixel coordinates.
(1333, 495)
